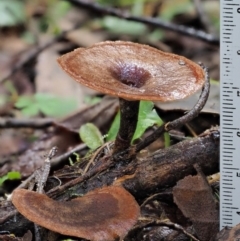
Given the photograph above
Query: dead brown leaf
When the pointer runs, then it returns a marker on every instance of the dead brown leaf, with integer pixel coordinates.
(194, 198)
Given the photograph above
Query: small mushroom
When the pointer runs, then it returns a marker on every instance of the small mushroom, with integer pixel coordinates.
(103, 214)
(132, 72)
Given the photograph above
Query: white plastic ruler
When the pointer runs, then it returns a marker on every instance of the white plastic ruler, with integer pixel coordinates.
(230, 113)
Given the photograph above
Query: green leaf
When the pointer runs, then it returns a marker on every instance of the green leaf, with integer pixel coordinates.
(156, 35)
(47, 104)
(10, 176)
(3, 179)
(12, 12)
(30, 110)
(14, 175)
(121, 26)
(91, 136)
(55, 106)
(147, 117)
(24, 101)
(112, 133)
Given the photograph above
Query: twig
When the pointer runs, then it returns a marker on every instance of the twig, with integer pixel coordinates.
(106, 163)
(58, 160)
(9, 215)
(95, 156)
(42, 174)
(25, 123)
(155, 22)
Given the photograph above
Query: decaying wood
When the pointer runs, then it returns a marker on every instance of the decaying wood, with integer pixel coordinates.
(165, 167)
(142, 177)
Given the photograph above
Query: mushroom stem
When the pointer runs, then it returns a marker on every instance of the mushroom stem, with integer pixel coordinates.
(128, 123)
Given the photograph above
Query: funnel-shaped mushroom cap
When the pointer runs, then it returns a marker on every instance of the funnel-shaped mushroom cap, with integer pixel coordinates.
(101, 215)
(133, 71)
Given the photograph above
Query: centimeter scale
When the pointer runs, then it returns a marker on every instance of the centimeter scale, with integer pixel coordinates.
(230, 113)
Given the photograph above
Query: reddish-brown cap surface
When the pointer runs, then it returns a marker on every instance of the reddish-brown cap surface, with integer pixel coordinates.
(101, 215)
(133, 71)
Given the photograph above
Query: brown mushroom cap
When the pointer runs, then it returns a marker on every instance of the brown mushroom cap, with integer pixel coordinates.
(133, 71)
(101, 215)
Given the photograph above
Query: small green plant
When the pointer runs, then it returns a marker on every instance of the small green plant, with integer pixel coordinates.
(10, 176)
(112, 133)
(91, 136)
(147, 117)
(46, 104)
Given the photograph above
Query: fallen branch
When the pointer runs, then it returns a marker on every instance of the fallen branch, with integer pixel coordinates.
(159, 171)
(154, 22)
(25, 123)
(156, 172)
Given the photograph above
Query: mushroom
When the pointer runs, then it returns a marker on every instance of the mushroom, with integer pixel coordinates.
(132, 72)
(103, 214)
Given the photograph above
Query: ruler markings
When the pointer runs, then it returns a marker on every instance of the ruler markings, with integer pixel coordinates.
(232, 4)
(229, 113)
